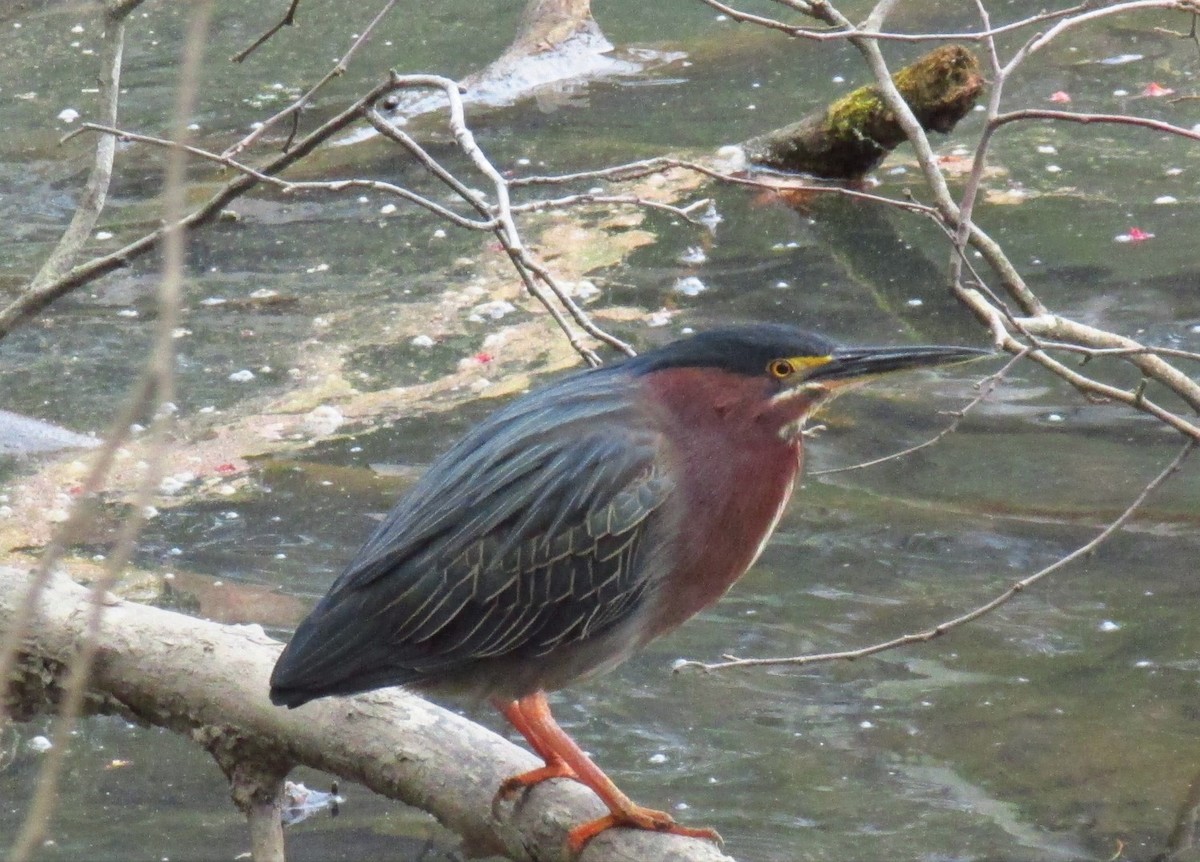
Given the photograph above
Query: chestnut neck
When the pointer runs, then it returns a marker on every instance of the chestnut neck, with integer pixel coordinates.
(735, 471)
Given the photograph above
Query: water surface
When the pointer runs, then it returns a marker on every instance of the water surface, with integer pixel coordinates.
(1061, 727)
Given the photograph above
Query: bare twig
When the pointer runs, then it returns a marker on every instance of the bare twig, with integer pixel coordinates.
(685, 212)
(532, 273)
(985, 386)
(293, 110)
(288, 20)
(1058, 327)
(999, 320)
(31, 302)
(970, 192)
(1043, 39)
(868, 30)
(1037, 314)
(1090, 353)
(984, 609)
(766, 181)
(1072, 117)
(292, 187)
(1191, 35)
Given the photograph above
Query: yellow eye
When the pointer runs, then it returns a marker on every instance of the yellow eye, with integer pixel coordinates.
(780, 368)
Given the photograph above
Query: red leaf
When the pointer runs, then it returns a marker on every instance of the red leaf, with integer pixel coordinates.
(1135, 234)
(1060, 96)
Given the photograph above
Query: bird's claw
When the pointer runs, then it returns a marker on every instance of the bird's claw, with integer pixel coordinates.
(525, 781)
(637, 818)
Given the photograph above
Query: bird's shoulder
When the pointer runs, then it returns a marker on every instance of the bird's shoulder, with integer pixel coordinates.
(565, 466)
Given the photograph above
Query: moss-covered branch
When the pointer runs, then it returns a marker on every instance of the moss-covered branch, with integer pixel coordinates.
(850, 137)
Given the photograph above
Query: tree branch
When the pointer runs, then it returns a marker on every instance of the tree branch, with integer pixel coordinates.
(339, 68)
(32, 301)
(985, 386)
(288, 20)
(1072, 117)
(209, 682)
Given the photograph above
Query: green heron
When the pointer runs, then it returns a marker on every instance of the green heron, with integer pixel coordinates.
(576, 524)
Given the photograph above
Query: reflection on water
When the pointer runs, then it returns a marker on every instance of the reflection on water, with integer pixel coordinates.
(1061, 727)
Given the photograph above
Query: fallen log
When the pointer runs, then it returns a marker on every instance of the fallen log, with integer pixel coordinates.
(853, 135)
(209, 683)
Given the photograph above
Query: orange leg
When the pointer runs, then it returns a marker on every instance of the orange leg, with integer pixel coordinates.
(531, 715)
(555, 766)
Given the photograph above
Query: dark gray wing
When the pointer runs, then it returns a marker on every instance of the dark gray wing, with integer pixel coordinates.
(542, 527)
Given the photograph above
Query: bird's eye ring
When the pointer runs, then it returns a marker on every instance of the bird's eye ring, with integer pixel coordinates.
(780, 368)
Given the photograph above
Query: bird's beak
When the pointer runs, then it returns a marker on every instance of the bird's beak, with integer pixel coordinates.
(856, 364)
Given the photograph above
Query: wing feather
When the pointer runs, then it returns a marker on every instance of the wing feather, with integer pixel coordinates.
(543, 527)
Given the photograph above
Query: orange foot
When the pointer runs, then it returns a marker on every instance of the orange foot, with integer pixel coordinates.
(555, 767)
(636, 817)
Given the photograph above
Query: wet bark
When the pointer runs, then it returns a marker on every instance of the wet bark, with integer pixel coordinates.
(209, 683)
(853, 135)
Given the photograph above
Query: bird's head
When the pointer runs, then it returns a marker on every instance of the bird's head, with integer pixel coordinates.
(798, 371)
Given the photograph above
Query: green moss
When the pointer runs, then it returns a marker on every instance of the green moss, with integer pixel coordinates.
(851, 136)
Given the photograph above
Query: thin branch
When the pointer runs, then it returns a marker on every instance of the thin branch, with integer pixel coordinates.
(985, 386)
(1191, 35)
(511, 238)
(868, 31)
(879, 14)
(1044, 39)
(393, 132)
(984, 609)
(999, 320)
(1072, 117)
(1152, 366)
(291, 187)
(293, 110)
(288, 20)
(31, 302)
(1094, 352)
(1059, 327)
(768, 183)
(685, 212)
(966, 206)
(530, 271)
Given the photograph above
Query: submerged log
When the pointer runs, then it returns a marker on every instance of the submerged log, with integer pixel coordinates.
(854, 134)
(209, 683)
